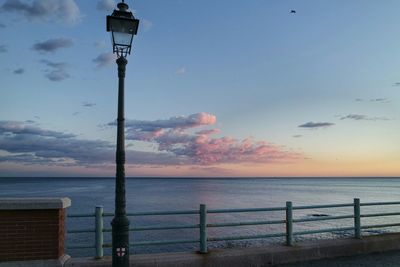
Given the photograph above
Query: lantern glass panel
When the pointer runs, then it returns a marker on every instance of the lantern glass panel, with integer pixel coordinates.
(123, 39)
(122, 30)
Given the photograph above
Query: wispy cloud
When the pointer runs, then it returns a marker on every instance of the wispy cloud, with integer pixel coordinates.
(146, 24)
(100, 44)
(106, 5)
(52, 45)
(66, 11)
(380, 100)
(396, 84)
(104, 59)
(359, 117)
(19, 71)
(56, 70)
(376, 100)
(297, 135)
(88, 104)
(181, 71)
(2, 26)
(316, 125)
(3, 48)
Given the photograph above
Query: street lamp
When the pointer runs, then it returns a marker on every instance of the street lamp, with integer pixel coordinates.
(123, 26)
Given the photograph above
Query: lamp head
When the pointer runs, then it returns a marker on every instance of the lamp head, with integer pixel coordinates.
(123, 26)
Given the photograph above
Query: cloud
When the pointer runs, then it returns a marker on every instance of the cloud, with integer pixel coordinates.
(104, 59)
(152, 158)
(316, 124)
(29, 144)
(100, 44)
(297, 135)
(2, 26)
(181, 71)
(172, 136)
(208, 132)
(88, 104)
(65, 11)
(24, 128)
(53, 45)
(146, 24)
(377, 100)
(176, 123)
(3, 48)
(396, 84)
(19, 71)
(57, 70)
(359, 117)
(106, 5)
(380, 100)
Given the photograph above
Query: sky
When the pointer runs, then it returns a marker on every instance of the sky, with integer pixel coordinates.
(213, 89)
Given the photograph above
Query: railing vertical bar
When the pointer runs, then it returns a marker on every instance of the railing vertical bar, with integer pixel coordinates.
(289, 223)
(99, 232)
(357, 218)
(203, 228)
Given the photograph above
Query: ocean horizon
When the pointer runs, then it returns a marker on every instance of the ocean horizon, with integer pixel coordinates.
(204, 177)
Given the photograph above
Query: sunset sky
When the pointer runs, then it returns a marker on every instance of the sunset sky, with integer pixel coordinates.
(213, 88)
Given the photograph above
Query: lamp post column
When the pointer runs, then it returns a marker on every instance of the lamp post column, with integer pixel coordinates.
(120, 222)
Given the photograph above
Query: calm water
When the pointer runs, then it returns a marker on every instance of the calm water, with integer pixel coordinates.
(177, 194)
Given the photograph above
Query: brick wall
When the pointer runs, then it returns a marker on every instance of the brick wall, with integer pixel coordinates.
(31, 234)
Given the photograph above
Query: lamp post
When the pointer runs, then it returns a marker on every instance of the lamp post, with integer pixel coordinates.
(123, 26)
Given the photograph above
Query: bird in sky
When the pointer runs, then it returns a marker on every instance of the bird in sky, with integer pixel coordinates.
(292, 11)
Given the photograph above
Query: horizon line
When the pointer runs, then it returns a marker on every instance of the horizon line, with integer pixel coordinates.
(205, 177)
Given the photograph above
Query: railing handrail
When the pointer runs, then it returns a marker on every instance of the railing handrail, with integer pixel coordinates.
(266, 209)
(202, 212)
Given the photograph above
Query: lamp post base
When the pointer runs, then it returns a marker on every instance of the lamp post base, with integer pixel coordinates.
(120, 242)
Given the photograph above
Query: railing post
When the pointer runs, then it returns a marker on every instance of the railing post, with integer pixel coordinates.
(289, 223)
(357, 218)
(99, 232)
(203, 228)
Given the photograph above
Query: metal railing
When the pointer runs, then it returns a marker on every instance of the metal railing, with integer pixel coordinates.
(203, 226)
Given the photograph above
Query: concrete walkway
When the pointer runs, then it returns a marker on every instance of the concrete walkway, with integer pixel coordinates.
(386, 259)
(322, 251)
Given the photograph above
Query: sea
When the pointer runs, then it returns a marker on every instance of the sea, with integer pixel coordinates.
(173, 194)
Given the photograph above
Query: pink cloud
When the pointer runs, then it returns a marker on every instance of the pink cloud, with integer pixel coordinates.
(172, 136)
(206, 150)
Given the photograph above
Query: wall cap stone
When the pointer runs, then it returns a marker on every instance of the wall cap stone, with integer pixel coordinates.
(34, 203)
(37, 263)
